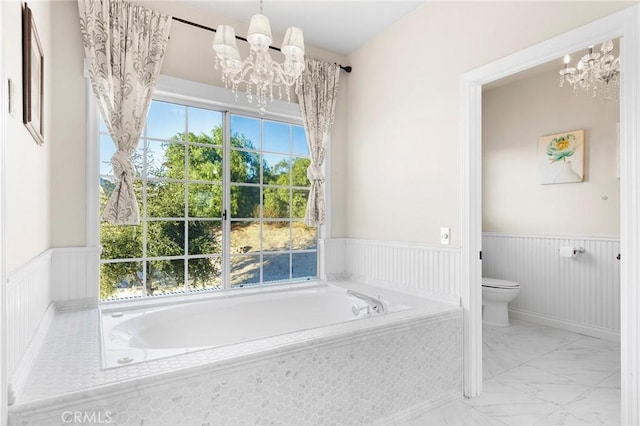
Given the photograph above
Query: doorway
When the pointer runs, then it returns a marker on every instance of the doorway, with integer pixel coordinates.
(549, 181)
(623, 24)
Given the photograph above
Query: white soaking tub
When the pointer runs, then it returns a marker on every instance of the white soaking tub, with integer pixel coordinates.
(143, 334)
(298, 354)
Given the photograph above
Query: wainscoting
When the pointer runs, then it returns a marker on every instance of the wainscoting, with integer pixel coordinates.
(59, 278)
(74, 275)
(580, 294)
(28, 301)
(333, 251)
(424, 270)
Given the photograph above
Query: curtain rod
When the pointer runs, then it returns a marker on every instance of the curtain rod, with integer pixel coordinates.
(193, 24)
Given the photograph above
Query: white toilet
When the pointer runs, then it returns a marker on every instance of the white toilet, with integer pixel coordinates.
(496, 295)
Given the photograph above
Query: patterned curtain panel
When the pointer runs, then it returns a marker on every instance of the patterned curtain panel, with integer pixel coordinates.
(317, 99)
(124, 45)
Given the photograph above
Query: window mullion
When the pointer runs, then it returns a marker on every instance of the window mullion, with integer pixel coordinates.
(290, 202)
(261, 218)
(186, 202)
(226, 201)
(144, 211)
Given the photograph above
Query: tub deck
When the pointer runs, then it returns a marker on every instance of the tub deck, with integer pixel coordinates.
(69, 367)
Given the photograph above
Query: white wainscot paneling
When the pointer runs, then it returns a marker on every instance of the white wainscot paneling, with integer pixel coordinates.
(74, 277)
(580, 294)
(420, 269)
(29, 313)
(59, 278)
(333, 252)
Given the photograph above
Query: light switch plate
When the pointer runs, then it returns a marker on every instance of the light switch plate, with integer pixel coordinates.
(12, 98)
(445, 235)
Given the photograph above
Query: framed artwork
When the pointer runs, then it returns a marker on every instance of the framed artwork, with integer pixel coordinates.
(32, 77)
(561, 157)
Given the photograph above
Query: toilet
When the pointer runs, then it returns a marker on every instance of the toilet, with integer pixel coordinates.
(496, 295)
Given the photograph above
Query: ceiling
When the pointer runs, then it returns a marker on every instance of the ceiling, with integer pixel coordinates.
(337, 26)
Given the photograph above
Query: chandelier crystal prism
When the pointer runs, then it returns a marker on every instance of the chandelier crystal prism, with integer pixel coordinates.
(259, 72)
(594, 73)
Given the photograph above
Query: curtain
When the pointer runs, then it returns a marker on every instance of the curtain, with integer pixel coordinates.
(124, 46)
(317, 100)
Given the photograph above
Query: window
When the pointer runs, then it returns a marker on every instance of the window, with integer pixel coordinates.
(221, 205)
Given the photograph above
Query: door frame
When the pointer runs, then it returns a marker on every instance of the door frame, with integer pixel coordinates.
(4, 111)
(622, 24)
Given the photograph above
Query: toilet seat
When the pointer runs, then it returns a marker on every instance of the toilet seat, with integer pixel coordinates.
(496, 283)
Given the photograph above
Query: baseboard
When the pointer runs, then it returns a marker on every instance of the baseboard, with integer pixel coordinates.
(588, 330)
(19, 376)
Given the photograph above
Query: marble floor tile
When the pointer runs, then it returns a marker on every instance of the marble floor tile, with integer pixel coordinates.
(541, 385)
(493, 364)
(612, 381)
(522, 330)
(538, 375)
(522, 341)
(587, 361)
(456, 414)
(599, 406)
(509, 405)
(521, 350)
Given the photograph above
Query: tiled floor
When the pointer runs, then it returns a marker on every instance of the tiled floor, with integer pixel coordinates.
(538, 375)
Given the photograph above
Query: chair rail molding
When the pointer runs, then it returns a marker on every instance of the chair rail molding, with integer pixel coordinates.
(622, 24)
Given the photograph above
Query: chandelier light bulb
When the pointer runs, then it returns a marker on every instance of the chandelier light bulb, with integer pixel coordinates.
(567, 59)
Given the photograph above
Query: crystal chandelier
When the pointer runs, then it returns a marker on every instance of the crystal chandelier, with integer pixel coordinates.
(259, 73)
(593, 72)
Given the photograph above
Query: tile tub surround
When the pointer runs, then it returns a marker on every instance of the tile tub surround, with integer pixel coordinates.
(345, 373)
(538, 375)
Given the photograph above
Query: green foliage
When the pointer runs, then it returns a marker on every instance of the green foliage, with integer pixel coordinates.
(166, 199)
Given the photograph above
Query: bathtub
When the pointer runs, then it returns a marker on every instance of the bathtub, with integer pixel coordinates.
(302, 354)
(136, 335)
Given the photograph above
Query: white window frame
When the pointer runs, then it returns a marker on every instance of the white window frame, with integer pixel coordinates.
(172, 89)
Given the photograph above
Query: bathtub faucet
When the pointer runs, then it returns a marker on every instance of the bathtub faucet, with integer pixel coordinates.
(376, 305)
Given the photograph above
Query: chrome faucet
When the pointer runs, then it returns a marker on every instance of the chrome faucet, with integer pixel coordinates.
(375, 305)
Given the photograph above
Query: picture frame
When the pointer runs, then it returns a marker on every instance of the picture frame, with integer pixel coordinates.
(561, 157)
(32, 77)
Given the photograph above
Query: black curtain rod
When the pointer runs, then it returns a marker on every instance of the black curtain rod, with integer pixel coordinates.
(193, 24)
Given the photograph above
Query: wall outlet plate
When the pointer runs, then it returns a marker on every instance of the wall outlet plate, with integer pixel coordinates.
(445, 235)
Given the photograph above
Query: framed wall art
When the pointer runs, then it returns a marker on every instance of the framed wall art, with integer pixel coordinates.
(561, 157)
(32, 77)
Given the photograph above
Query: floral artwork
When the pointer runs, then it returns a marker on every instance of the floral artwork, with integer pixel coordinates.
(561, 157)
